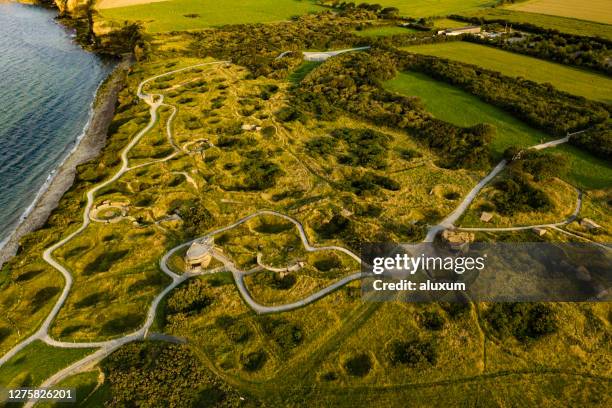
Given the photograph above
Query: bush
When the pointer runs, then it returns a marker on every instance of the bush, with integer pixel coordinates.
(157, 374)
(516, 194)
(455, 310)
(189, 299)
(328, 263)
(524, 321)
(431, 320)
(411, 353)
(285, 333)
(359, 365)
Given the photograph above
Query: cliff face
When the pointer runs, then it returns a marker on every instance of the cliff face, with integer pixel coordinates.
(93, 32)
(73, 8)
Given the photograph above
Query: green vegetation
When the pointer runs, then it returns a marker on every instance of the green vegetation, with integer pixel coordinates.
(382, 31)
(449, 103)
(426, 8)
(35, 363)
(456, 106)
(522, 320)
(352, 162)
(163, 374)
(177, 15)
(562, 24)
(573, 80)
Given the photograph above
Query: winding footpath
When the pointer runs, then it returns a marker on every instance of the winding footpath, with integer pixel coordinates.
(105, 348)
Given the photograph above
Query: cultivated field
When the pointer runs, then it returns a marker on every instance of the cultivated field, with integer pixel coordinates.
(383, 31)
(563, 24)
(426, 8)
(194, 14)
(456, 106)
(573, 80)
(593, 10)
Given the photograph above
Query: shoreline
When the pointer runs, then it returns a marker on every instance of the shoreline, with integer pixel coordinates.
(87, 146)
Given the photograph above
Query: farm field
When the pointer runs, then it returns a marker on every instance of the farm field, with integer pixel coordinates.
(448, 23)
(563, 24)
(179, 15)
(573, 80)
(456, 106)
(383, 31)
(596, 10)
(426, 8)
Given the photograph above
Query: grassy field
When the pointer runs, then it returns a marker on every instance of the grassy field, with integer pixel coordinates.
(573, 80)
(448, 23)
(31, 366)
(456, 106)
(563, 24)
(426, 8)
(194, 14)
(595, 10)
(383, 31)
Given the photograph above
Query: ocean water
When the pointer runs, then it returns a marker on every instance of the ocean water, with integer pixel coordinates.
(47, 85)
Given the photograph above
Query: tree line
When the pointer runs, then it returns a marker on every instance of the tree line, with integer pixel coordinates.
(353, 83)
(567, 49)
(540, 105)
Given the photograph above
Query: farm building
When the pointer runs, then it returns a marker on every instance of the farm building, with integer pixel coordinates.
(461, 30)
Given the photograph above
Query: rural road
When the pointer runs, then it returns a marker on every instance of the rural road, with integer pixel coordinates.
(450, 220)
(154, 101)
(105, 348)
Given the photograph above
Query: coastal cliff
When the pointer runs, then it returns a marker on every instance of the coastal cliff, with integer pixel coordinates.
(93, 32)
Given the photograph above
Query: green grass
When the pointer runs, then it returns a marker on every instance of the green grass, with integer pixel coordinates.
(448, 23)
(426, 8)
(304, 69)
(573, 80)
(563, 24)
(170, 15)
(35, 363)
(383, 31)
(456, 106)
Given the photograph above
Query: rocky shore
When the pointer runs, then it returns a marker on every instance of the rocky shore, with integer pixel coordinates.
(88, 148)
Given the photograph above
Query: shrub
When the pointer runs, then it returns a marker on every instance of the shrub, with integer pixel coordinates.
(411, 353)
(524, 321)
(431, 320)
(285, 333)
(189, 299)
(328, 263)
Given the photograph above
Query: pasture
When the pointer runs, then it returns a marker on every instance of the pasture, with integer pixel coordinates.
(456, 106)
(564, 24)
(427, 8)
(596, 10)
(163, 16)
(383, 31)
(569, 79)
